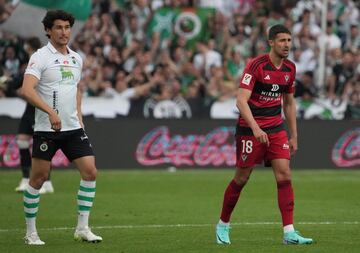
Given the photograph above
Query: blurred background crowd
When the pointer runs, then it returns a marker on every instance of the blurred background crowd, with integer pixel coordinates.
(160, 63)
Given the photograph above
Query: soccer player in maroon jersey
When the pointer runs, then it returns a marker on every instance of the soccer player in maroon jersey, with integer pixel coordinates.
(266, 87)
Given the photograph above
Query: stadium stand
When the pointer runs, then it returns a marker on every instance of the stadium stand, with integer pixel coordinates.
(131, 44)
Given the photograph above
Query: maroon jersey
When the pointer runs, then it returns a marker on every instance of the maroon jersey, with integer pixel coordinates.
(267, 84)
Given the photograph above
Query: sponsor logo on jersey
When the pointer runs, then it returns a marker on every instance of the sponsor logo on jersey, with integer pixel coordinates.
(267, 77)
(57, 61)
(275, 87)
(66, 73)
(246, 79)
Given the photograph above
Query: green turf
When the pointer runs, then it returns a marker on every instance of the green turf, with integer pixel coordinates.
(127, 203)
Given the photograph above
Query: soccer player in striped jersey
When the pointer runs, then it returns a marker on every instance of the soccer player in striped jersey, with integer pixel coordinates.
(51, 85)
(266, 87)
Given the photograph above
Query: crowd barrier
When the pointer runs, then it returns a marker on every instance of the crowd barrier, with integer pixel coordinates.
(138, 143)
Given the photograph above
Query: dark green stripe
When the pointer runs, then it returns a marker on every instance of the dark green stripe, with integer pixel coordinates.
(30, 215)
(31, 205)
(86, 189)
(84, 208)
(30, 196)
(90, 199)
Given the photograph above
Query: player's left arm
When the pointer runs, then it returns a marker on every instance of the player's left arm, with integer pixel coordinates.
(289, 105)
(78, 106)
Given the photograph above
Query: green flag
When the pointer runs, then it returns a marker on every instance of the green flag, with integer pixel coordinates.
(192, 23)
(162, 22)
(25, 20)
(80, 9)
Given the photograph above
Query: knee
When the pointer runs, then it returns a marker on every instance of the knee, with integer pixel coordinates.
(242, 176)
(90, 174)
(37, 180)
(283, 176)
(241, 180)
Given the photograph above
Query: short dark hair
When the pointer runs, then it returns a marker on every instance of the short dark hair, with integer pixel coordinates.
(275, 29)
(53, 15)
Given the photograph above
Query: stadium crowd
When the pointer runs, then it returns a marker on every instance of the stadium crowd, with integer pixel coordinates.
(127, 57)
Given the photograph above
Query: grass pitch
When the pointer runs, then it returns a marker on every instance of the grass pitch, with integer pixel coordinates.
(159, 211)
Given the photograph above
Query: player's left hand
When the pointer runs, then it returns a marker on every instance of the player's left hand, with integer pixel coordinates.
(293, 145)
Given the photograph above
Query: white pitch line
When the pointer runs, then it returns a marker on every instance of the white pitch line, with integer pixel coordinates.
(190, 225)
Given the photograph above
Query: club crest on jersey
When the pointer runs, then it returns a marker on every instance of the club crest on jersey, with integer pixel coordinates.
(246, 79)
(287, 78)
(73, 59)
(244, 157)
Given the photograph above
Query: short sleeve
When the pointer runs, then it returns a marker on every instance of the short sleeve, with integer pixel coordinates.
(35, 65)
(248, 79)
(81, 63)
(291, 85)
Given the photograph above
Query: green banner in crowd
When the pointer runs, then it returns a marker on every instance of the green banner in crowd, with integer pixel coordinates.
(192, 23)
(81, 9)
(122, 3)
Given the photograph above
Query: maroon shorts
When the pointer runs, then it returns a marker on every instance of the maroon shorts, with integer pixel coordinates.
(250, 151)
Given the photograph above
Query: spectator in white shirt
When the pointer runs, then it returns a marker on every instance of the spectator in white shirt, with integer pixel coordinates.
(205, 58)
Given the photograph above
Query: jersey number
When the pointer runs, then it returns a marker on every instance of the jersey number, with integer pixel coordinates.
(247, 146)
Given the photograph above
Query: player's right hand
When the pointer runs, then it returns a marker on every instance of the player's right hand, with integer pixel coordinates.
(55, 121)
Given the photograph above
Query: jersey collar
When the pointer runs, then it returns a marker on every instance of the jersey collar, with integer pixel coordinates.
(53, 49)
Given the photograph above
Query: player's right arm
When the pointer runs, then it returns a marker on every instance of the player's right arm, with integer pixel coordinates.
(243, 95)
(246, 86)
(29, 93)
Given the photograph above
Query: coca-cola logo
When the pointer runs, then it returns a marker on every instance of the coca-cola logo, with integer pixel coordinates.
(346, 151)
(217, 148)
(10, 156)
(9, 152)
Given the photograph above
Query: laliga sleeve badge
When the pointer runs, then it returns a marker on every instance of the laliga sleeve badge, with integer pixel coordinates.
(44, 147)
(246, 79)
